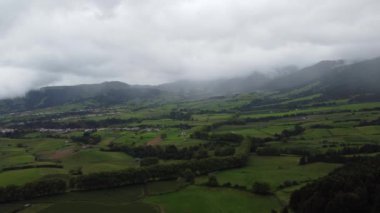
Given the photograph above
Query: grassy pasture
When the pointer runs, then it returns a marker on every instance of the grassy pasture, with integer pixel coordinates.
(246, 130)
(35, 145)
(316, 110)
(156, 188)
(369, 130)
(316, 134)
(15, 160)
(93, 160)
(167, 196)
(274, 170)
(135, 138)
(100, 208)
(19, 177)
(202, 199)
(113, 200)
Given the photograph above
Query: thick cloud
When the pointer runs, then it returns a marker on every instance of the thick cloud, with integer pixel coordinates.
(44, 42)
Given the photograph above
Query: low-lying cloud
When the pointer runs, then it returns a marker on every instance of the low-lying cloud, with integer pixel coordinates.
(45, 42)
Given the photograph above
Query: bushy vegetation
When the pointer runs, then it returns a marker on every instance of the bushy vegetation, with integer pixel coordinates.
(261, 188)
(32, 190)
(149, 161)
(87, 138)
(161, 152)
(160, 172)
(352, 188)
(370, 123)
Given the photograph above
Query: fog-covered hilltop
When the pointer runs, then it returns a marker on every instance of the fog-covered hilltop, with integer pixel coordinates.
(209, 88)
(107, 93)
(332, 79)
(304, 76)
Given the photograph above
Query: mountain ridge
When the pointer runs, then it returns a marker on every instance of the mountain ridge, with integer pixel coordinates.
(335, 79)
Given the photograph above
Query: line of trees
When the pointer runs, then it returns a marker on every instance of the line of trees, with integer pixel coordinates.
(338, 156)
(104, 180)
(87, 138)
(162, 152)
(224, 151)
(375, 122)
(172, 152)
(286, 134)
(180, 114)
(220, 138)
(32, 190)
(58, 166)
(79, 124)
(17, 133)
(268, 151)
(258, 144)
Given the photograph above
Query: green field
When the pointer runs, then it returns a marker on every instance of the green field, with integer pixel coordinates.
(273, 170)
(19, 177)
(330, 127)
(93, 160)
(200, 199)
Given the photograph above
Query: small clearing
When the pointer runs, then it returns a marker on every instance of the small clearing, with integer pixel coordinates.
(154, 141)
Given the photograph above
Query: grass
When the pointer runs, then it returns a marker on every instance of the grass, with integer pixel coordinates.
(283, 195)
(369, 130)
(162, 187)
(93, 160)
(213, 200)
(169, 196)
(112, 200)
(19, 177)
(99, 208)
(316, 110)
(135, 138)
(274, 170)
(18, 159)
(316, 134)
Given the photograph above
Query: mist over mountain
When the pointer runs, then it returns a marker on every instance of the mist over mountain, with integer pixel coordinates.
(358, 79)
(154, 42)
(304, 76)
(103, 94)
(332, 79)
(199, 89)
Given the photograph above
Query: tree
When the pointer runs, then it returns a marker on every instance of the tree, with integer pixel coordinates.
(261, 188)
(285, 210)
(76, 171)
(163, 136)
(303, 160)
(212, 181)
(188, 175)
(201, 154)
(149, 161)
(268, 151)
(224, 151)
(349, 189)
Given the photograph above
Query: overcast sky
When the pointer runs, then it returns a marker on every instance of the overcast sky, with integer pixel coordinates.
(49, 42)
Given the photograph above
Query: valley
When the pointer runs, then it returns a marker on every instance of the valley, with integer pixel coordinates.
(174, 133)
(246, 152)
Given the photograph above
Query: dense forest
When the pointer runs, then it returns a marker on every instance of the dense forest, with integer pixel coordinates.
(351, 189)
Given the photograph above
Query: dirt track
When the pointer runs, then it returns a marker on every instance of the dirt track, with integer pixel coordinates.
(57, 155)
(154, 141)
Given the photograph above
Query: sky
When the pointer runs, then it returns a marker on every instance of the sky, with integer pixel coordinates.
(66, 42)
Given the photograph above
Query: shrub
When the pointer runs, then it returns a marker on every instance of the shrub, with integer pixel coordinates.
(268, 151)
(212, 181)
(188, 175)
(149, 161)
(261, 188)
